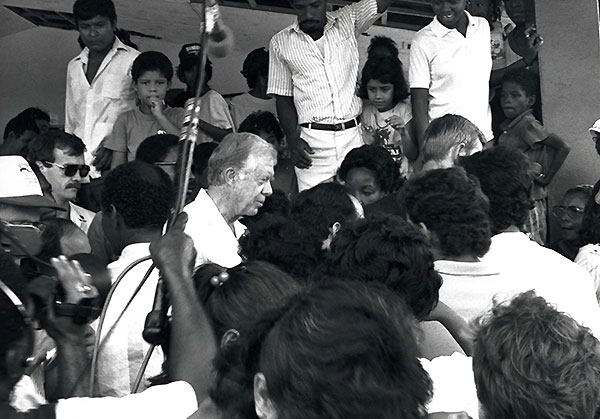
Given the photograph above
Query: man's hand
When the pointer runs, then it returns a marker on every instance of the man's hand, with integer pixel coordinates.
(102, 158)
(299, 152)
(174, 252)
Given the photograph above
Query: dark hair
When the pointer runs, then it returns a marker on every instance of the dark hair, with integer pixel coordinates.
(319, 207)
(35, 114)
(262, 121)
(251, 288)
(256, 64)
(379, 42)
(590, 224)
(12, 324)
(208, 71)
(343, 350)
(88, 9)
(284, 243)
(152, 61)
(527, 80)
(384, 70)
(155, 148)
(387, 249)
(531, 360)
(451, 204)
(141, 193)
(202, 153)
(20, 124)
(42, 147)
(449, 131)
(504, 176)
(376, 159)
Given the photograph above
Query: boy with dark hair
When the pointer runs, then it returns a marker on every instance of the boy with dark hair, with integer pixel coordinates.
(17, 134)
(215, 119)
(532, 361)
(152, 73)
(99, 85)
(256, 72)
(523, 132)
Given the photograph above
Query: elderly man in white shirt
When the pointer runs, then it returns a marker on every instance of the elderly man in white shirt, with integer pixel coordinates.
(313, 72)
(99, 86)
(240, 171)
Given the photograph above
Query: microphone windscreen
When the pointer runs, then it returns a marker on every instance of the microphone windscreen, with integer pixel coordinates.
(220, 42)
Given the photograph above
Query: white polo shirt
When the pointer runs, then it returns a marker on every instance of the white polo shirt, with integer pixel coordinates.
(456, 70)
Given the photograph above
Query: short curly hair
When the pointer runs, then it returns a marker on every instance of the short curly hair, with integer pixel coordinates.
(531, 360)
(339, 350)
(151, 61)
(451, 204)
(156, 147)
(376, 159)
(385, 70)
(590, 224)
(319, 207)
(505, 177)
(282, 242)
(262, 121)
(140, 193)
(526, 79)
(389, 250)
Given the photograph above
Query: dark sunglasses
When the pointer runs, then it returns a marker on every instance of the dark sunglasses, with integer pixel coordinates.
(571, 211)
(70, 169)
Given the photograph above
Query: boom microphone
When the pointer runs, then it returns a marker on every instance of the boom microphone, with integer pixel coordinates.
(220, 38)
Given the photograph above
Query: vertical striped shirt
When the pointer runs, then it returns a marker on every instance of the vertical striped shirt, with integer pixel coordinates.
(323, 84)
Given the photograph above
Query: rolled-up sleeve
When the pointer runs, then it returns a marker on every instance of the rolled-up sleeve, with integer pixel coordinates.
(280, 76)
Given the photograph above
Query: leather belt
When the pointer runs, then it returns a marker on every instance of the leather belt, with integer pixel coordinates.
(332, 127)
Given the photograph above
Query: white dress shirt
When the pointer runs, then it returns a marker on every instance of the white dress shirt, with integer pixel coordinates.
(323, 84)
(92, 108)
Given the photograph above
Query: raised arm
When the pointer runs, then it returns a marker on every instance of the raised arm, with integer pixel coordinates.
(193, 344)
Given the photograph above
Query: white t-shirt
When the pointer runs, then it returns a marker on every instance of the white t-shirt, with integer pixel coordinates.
(455, 69)
(245, 104)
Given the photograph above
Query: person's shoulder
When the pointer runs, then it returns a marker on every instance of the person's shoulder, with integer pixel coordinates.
(214, 96)
(423, 35)
(283, 34)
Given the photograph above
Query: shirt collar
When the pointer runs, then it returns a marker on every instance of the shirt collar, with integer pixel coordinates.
(117, 45)
(508, 124)
(440, 30)
(452, 267)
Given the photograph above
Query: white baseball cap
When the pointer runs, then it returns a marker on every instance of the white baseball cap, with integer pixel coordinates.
(595, 127)
(20, 186)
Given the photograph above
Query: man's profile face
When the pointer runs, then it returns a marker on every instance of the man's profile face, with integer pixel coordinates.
(97, 33)
(253, 185)
(311, 15)
(64, 188)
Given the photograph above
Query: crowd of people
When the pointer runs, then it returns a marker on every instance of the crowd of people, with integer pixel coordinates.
(353, 243)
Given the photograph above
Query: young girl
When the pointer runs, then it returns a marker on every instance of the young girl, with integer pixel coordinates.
(386, 116)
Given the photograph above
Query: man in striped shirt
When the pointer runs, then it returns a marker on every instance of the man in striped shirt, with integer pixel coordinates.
(313, 71)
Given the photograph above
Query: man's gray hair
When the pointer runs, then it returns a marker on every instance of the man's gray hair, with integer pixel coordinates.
(234, 152)
(449, 131)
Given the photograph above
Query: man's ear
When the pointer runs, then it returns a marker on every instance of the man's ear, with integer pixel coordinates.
(459, 151)
(41, 166)
(262, 402)
(230, 175)
(335, 227)
(424, 229)
(531, 100)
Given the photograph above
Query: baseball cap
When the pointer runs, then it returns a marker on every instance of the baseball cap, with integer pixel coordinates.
(188, 56)
(595, 127)
(20, 186)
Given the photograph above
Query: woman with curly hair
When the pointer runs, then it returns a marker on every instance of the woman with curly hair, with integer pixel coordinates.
(370, 173)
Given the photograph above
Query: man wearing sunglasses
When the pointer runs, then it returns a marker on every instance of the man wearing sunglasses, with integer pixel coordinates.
(60, 157)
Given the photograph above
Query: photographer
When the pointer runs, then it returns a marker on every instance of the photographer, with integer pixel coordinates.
(174, 255)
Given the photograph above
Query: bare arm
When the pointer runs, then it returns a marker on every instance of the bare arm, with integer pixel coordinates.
(193, 344)
(561, 151)
(419, 99)
(288, 116)
(455, 324)
(118, 158)
(215, 132)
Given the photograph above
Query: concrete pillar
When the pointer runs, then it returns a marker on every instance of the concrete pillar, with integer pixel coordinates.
(570, 83)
